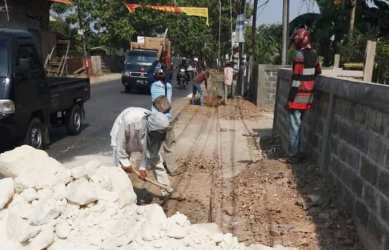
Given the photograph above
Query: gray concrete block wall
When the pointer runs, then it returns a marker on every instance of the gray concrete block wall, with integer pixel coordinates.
(353, 153)
(265, 85)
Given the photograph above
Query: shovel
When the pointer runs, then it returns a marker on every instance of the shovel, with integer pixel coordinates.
(132, 169)
(148, 179)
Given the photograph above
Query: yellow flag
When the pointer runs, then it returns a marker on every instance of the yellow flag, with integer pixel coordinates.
(196, 11)
(190, 11)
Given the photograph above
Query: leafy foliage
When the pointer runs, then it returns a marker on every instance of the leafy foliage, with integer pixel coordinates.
(108, 23)
(382, 61)
(331, 32)
(110, 20)
(268, 44)
(353, 49)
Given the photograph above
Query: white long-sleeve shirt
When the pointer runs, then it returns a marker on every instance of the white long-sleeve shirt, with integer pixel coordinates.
(128, 134)
(228, 75)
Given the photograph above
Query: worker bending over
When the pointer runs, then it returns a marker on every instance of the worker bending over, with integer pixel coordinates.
(142, 130)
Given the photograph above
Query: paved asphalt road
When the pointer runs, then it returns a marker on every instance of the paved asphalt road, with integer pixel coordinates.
(107, 101)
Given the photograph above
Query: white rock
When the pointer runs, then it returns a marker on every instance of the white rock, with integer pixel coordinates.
(19, 229)
(71, 245)
(217, 238)
(62, 230)
(107, 196)
(39, 179)
(180, 219)
(39, 215)
(29, 194)
(20, 207)
(5, 241)
(81, 192)
(24, 159)
(31, 168)
(210, 229)
(79, 172)
(62, 245)
(59, 191)
(115, 180)
(259, 247)
(46, 210)
(87, 170)
(45, 194)
(154, 220)
(177, 226)
(43, 240)
(102, 178)
(7, 190)
(176, 232)
(64, 176)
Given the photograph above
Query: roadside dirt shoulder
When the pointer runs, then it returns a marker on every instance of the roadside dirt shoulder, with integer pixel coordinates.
(231, 175)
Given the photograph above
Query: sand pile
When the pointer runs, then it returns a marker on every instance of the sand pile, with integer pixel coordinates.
(46, 206)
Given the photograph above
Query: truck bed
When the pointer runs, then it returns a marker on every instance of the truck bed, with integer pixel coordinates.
(65, 91)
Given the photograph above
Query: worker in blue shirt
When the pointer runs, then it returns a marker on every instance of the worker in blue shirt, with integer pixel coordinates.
(161, 87)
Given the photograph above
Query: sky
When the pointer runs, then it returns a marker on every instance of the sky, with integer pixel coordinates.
(272, 12)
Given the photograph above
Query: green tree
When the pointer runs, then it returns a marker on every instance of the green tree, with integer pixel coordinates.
(268, 43)
(108, 23)
(330, 32)
(190, 36)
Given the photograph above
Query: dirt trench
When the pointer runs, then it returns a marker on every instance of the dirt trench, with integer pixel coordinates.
(230, 175)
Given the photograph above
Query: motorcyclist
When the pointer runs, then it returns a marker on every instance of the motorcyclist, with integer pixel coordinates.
(196, 65)
(183, 74)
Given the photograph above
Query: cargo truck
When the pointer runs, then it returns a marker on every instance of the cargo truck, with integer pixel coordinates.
(141, 61)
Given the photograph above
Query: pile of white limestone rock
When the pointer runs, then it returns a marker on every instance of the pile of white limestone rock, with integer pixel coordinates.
(44, 205)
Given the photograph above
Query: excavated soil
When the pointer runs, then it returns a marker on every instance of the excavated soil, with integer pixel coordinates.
(230, 175)
(282, 204)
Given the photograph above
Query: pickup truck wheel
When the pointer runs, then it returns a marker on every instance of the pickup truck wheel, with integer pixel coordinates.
(34, 136)
(74, 120)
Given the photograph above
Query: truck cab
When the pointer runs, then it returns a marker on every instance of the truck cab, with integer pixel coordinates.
(139, 66)
(30, 102)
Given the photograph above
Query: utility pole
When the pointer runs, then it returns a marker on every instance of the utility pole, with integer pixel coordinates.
(232, 42)
(352, 16)
(81, 24)
(241, 48)
(254, 29)
(285, 24)
(220, 23)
